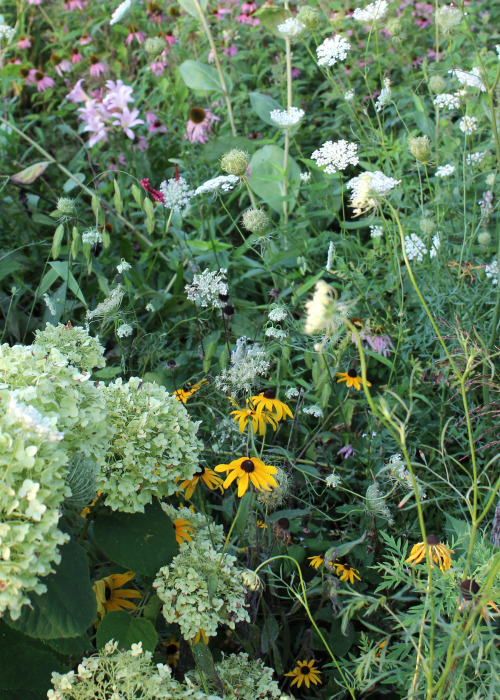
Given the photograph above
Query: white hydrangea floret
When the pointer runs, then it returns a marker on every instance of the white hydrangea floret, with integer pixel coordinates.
(74, 343)
(242, 678)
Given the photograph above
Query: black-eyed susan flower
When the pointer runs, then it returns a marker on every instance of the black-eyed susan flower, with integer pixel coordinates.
(261, 525)
(110, 598)
(200, 637)
(267, 401)
(209, 478)
(346, 572)
(173, 651)
(316, 561)
(183, 530)
(351, 378)
(188, 390)
(440, 554)
(249, 414)
(470, 592)
(246, 469)
(305, 672)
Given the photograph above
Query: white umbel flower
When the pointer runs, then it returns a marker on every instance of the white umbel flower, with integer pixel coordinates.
(6, 32)
(123, 266)
(124, 330)
(336, 156)
(176, 193)
(207, 288)
(287, 118)
(415, 247)
(447, 101)
(333, 50)
(92, 236)
(376, 231)
(445, 170)
(471, 79)
(491, 271)
(468, 125)
(292, 28)
(372, 12)
(368, 188)
(385, 95)
(120, 11)
(475, 158)
(223, 183)
(349, 95)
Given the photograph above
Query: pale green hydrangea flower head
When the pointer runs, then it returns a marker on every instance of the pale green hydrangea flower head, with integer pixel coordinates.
(74, 343)
(204, 527)
(122, 675)
(155, 444)
(183, 586)
(243, 679)
(32, 464)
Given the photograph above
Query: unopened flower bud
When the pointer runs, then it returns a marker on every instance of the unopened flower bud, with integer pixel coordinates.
(437, 84)
(256, 221)
(310, 16)
(155, 45)
(65, 205)
(252, 581)
(420, 147)
(484, 239)
(427, 226)
(235, 162)
(448, 17)
(394, 28)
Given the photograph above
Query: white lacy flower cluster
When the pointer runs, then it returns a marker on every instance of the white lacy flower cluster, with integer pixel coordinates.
(372, 12)
(491, 271)
(415, 247)
(6, 32)
(375, 503)
(332, 50)
(292, 28)
(336, 155)
(176, 193)
(208, 287)
(154, 444)
(124, 330)
(287, 118)
(468, 125)
(200, 589)
(242, 679)
(74, 343)
(447, 101)
(471, 79)
(325, 314)
(368, 188)
(400, 474)
(248, 362)
(313, 410)
(385, 95)
(32, 487)
(475, 158)
(445, 170)
(222, 183)
(109, 306)
(120, 11)
(117, 674)
(204, 527)
(92, 236)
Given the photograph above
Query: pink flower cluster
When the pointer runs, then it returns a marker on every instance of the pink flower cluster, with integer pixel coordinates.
(104, 111)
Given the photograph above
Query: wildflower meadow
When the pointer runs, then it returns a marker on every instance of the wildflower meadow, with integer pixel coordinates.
(250, 350)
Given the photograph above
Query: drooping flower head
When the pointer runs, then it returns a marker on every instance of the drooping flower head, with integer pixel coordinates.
(199, 124)
(438, 552)
(369, 189)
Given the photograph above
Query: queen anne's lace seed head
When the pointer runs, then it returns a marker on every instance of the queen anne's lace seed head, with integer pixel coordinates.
(336, 155)
(332, 50)
(109, 306)
(222, 183)
(447, 101)
(445, 170)
(288, 118)
(368, 189)
(176, 193)
(471, 79)
(372, 12)
(208, 287)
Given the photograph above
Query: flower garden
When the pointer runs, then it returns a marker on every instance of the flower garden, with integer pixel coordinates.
(250, 350)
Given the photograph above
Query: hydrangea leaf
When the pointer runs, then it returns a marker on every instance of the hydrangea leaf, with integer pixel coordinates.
(69, 605)
(140, 542)
(126, 630)
(26, 663)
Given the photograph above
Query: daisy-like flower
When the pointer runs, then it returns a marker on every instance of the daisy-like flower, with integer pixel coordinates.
(173, 651)
(24, 42)
(267, 401)
(345, 572)
(209, 478)
(182, 530)
(351, 378)
(249, 414)
(43, 82)
(316, 561)
(245, 470)
(96, 66)
(134, 33)
(109, 598)
(440, 553)
(305, 672)
(188, 390)
(199, 124)
(261, 525)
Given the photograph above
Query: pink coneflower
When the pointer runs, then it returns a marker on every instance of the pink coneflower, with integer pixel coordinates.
(34, 2)
(24, 42)
(199, 124)
(170, 39)
(75, 5)
(153, 11)
(154, 124)
(96, 66)
(155, 194)
(127, 119)
(61, 65)
(43, 82)
(78, 94)
(76, 56)
(134, 33)
(85, 39)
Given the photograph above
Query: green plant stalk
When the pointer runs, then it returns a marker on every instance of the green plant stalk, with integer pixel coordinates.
(209, 35)
(158, 247)
(138, 234)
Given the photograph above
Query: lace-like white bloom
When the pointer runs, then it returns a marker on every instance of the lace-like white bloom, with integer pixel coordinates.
(349, 95)
(497, 47)
(372, 12)
(292, 28)
(475, 158)
(123, 266)
(448, 17)
(224, 183)
(415, 247)
(333, 50)
(368, 188)
(305, 177)
(92, 236)
(436, 244)
(336, 155)
(248, 362)
(276, 333)
(292, 393)
(287, 118)
(208, 287)
(277, 314)
(447, 101)
(6, 32)
(120, 11)
(124, 330)
(176, 193)
(330, 256)
(472, 79)
(376, 231)
(314, 410)
(445, 170)
(333, 480)
(491, 271)
(108, 306)
(468, 125)
(385, 95)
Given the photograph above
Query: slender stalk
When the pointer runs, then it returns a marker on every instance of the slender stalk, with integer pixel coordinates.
(288, 47)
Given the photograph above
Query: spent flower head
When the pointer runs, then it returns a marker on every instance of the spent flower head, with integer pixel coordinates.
(256, 221)
(368, 189)
(235, 162)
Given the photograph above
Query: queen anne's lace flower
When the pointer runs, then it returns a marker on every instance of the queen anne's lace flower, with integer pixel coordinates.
(183, 586)
(176, 193)
(208, 287)
(248, 363)
(471, 79)
(475, 158)
(109, 306)
(124, 330)
(92, 236)
(368, 188)
(415, 247)
(336, 155)
(385, 95)
(277, 314)
(468, 125)
(222, 183)
(292, 28)
(287, 118)
(120, 11)
(491, 271)
(74, 343)
(445, 170)
(372, 12)
(332, 50)
(447, 101)
(6, 32)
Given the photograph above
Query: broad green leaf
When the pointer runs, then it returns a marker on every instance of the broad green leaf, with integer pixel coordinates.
(199, 76)
(140, 542)
(57, 240)
(271, 17)
(215, 148)
(204, 660)
(190, 7)
(126, 630)
(63, 271)
(29, 175)
(270, 632)
(289, 514)
(263, 105)
(71, 646)
(25, 664)
(266, 177)
(68, 607)
(117, 197)
(342, 549)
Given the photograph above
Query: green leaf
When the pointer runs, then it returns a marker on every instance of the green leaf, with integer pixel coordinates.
(199, 76)
(117, 197)
(71, 646)
(270, 632)
(68, 607)
(204, 660)
(57, 240)
(190, 7)
(344, 548)
(270, 18)
(126, 630)
(140, 542)
(263, 105)
(266, 179)
(26, 664)
(289, 514)
(29, 175)
(214, 149)
(61, 268)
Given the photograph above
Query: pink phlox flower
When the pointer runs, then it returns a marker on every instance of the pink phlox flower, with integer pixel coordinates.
(199, 125)
(134, 33)
(63, 67)
(154, 124)
(97, 67)
(346, 451)
(127, 119)
(24, 43)
(119, 95)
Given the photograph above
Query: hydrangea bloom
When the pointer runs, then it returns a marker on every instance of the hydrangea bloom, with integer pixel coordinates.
(154, 444)
(74, 343)
(336, 156)
(183, 588)
(332, 50)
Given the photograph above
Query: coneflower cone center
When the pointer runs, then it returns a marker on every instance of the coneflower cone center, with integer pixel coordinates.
(269, 394)
(197, 115)
(248, 466)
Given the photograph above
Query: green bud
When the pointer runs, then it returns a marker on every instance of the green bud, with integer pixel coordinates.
(235, 162)
(448, 17)
(394, 28)
(437, 84)
(420, 148)
(484, 239)
(427, 226)
(311, 17)
(155, 45)
(256, 221)
(65, 206)
(252, 581)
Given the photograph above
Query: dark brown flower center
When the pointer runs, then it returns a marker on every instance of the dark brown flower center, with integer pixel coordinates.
(248, 466)
(107, 592)
(200, 471)
(94, 59)
(284, 523)
(352, 373)
(55, 59)
(269, 394)
(39, 75)
(172, 649)
(305, 670)
(197, 115)
(469, 588)
(432, 540)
